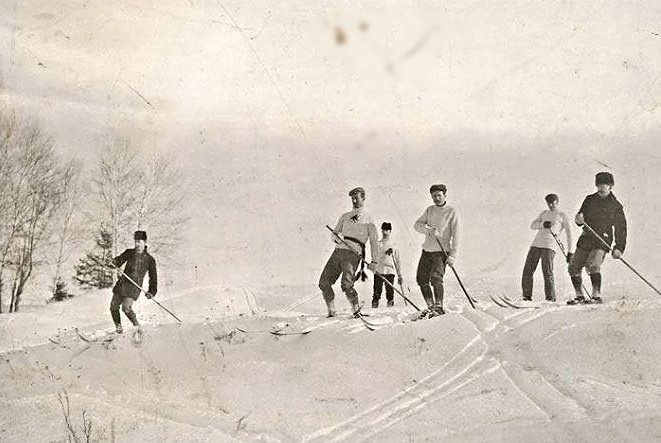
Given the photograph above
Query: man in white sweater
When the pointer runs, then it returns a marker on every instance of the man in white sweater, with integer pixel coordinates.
(440, 225)
(355, 227)
(549, 224)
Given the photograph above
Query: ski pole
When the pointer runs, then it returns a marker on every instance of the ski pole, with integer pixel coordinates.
(375, 272)
(470, 300)
(622, 259)
(562, 249)
(401, 288)
(147, 293)
(112, 265)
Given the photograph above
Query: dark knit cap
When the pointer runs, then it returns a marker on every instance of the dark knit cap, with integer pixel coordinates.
(140, 235)
(439, 187)
(357, 190)
(604, 178)
(550, 198)
(386, 226)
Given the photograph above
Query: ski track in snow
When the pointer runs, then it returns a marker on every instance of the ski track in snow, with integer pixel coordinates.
(503, 352)
(301, 302)
(416, 396)
(496, 348)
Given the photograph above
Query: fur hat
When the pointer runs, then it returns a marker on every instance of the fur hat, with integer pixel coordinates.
(440, 187)
(604, 178)
(140, 235)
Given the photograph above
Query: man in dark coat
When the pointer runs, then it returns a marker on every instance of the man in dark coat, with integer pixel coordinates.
(603, 213)
(138, 263)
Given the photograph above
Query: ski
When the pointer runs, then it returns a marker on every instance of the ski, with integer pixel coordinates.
(276, 332)
(303, 332)
(584, 301)
(505, 302)
(517, 306)
(512, 304)
(52, 340)
(369, 325)
(427, 314)
(497, 302)
(108, 337)
(536, 306)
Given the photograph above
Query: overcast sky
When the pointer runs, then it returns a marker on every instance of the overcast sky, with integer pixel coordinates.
(160, 69)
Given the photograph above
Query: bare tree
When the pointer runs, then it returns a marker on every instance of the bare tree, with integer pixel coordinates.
(160, 203)
(31, 189)
(6, 129)
(36, 195)
(12, 181)
(136, 194)
(116, 182)
(67, 227)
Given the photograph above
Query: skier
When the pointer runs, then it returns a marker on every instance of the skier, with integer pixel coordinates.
(356, 227)
(138, 263)
(548, 225)
(387, 263)
(602, 213)
(440, 225)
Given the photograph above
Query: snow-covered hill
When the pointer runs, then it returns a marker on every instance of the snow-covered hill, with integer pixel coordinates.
(547, 373)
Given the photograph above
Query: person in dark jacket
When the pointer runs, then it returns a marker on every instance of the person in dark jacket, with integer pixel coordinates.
(138, 263)
(603, 213)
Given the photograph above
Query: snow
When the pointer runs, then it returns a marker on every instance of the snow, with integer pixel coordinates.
(553, 373)
(273, 122)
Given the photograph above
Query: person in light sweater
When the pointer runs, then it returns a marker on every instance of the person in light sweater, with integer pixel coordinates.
(355, 228)
(440, 226)
(387, 264)
(549, 223)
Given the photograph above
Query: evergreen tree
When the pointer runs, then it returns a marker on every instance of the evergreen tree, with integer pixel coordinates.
(90, 273)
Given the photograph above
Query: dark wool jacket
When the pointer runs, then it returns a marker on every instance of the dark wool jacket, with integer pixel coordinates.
(604, 215)
(137, 265)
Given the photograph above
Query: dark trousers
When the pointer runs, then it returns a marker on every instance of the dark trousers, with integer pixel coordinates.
(591, 260)
(378, 287)
(126, 304)
(341, 262)
(532, 259)
(431, 269)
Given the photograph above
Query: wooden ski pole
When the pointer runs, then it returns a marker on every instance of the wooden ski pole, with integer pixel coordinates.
(622, 259)
(112, 265)
(470, 300)
(375, 272)
(562, 249)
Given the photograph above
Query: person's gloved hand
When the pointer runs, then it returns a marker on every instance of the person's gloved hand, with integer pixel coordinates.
(617, 254)
(449, 261)
(569, 256)
(547, 224)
